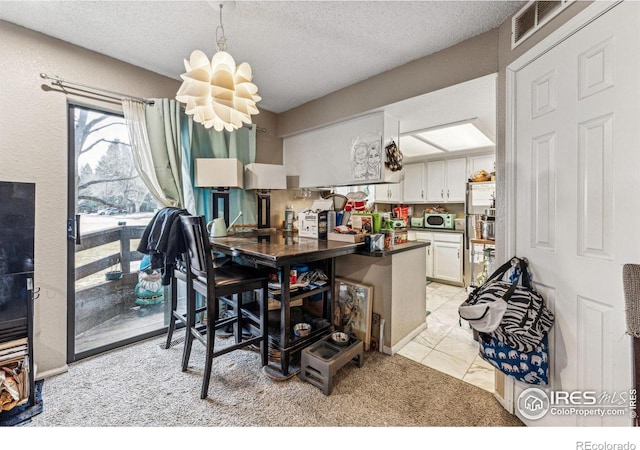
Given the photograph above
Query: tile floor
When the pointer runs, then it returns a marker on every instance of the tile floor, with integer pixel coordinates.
(446, 345)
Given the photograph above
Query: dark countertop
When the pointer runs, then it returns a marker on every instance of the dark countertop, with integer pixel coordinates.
(397, 248)
(435, 230)
(279, 248)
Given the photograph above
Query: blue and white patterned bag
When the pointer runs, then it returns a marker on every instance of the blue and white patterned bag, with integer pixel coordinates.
(531, 367)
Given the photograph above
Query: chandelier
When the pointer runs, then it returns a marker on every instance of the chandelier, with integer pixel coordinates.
(217, 93)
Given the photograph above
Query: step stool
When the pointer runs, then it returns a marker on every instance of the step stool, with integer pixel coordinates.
(321, 361)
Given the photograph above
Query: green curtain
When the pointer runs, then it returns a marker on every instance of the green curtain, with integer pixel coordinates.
(163, 120)
(208, 143)
(175, 140)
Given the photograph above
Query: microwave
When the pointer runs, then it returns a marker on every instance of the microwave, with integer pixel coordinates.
(434, 220)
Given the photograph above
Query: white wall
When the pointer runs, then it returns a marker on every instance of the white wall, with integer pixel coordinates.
(33, 148)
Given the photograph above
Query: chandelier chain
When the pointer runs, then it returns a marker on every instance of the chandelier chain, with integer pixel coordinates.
(221, 41)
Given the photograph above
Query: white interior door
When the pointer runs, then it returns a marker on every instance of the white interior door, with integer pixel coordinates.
(576, 143)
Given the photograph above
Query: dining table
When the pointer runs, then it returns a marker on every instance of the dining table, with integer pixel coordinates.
(279, 251)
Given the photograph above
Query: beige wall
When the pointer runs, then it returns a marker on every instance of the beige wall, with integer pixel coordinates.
(465, 61)
(33, 126)
(268, 144)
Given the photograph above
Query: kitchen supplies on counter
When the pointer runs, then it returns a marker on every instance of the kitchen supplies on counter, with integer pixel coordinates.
(439, 220)
(488, 230)
(313, 224)
(289, 214)
(417, 222)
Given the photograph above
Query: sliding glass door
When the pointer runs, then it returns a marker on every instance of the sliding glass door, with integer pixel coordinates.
(114, 298)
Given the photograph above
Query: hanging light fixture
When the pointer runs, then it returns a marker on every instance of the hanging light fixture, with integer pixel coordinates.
(217, 93)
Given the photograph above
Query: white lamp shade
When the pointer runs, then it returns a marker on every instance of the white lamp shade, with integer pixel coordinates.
(217, 93)
(218, 172)
(264, 176)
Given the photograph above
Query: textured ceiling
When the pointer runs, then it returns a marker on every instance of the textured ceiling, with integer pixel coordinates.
(299, 50)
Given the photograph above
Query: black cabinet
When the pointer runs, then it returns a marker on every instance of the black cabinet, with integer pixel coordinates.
(17, 224)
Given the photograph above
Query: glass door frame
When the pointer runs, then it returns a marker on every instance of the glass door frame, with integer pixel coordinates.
(72, 170)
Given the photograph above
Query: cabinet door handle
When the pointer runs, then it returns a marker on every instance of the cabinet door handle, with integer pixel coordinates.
(441, 193)
(422, 194)
(447, 193)
(458, 253)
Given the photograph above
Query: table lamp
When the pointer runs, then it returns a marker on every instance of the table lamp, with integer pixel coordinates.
(219, 174)
(263, 178)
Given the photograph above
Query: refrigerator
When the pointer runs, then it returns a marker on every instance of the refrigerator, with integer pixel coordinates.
(480, 196)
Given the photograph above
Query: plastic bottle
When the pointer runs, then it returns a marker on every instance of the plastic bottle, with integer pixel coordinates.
(288, 218)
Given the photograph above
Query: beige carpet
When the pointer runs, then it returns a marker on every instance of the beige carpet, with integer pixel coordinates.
(142, 385)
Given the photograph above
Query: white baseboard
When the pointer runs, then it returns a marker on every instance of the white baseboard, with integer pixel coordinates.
(404, 341)
(51, 373)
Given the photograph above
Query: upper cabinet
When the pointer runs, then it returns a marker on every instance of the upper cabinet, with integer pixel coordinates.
(414, 183)
(446, 181)
(481, 162)
(389, 193)
(347, 153)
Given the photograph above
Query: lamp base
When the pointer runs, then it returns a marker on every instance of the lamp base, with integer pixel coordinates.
(264, 209)
(220, 203)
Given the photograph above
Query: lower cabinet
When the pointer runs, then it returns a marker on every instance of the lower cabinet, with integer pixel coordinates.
(426, 237)
(445, 256)
(448, 257)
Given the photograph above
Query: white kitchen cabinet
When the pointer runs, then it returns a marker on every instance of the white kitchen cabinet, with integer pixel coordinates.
(388, 193)
(477, 163)
(446, 181)
(448, 257)
(426, 237)
(414, 183)
(325, 156)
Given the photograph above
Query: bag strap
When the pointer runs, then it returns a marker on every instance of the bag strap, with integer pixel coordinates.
(503, 269)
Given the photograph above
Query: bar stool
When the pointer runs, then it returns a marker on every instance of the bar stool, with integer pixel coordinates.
(226, 284)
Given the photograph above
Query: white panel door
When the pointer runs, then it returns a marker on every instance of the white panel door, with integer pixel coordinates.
(577, 162)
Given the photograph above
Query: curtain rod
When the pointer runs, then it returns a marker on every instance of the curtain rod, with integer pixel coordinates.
(111, 94)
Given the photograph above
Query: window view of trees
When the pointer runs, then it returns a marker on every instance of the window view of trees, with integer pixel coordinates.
(107, 180)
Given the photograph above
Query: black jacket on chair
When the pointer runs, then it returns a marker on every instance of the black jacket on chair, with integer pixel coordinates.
(163, 240)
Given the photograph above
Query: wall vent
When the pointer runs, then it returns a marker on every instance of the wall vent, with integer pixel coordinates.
(533, 16)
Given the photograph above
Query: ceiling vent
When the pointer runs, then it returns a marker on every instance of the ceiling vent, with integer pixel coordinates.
(533, 16)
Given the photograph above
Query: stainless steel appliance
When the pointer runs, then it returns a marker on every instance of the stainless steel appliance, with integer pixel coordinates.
(479, 205)
(488, 230)
(437, 220)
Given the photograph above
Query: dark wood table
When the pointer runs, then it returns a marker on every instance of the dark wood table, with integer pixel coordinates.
(280, 250)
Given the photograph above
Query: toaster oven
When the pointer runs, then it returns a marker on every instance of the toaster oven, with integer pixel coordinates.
(434, 220)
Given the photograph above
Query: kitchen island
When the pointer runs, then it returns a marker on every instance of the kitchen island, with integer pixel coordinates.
(281, 251)
(397, 277)
(399, 288)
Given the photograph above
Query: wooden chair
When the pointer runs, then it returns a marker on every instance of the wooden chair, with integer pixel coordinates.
(179, 274)
(222, 284)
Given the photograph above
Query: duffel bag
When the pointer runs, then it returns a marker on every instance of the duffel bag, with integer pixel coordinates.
(525, 320)
(529, 367)
(485, 306)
